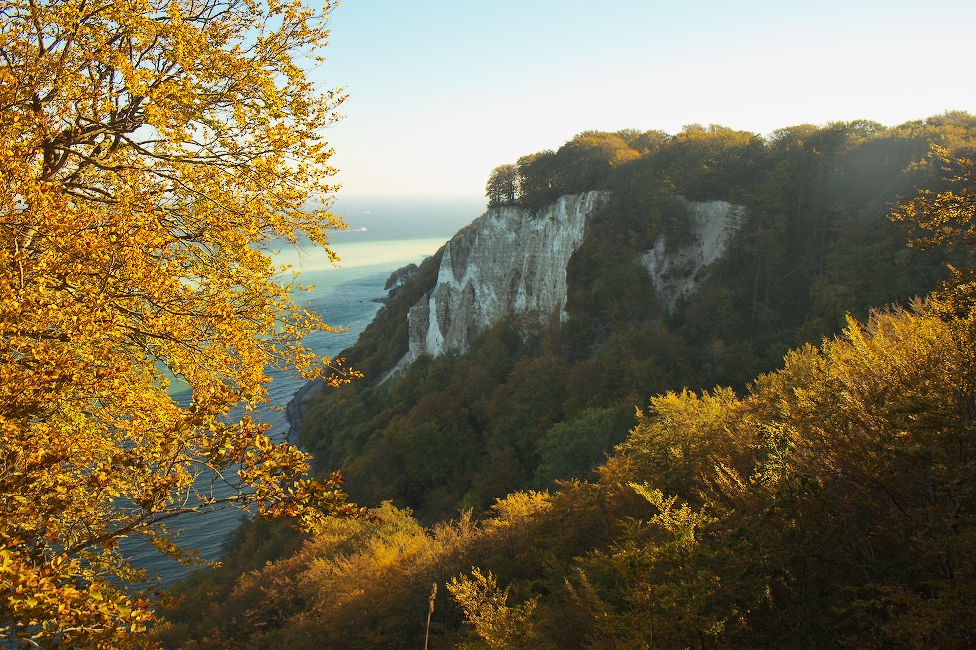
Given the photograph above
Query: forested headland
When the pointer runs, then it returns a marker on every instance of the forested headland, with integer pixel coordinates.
(779, 458)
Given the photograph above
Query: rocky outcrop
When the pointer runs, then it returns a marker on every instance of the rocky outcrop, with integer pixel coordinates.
(399, 278)
(511, 262)
(396, 281)
(677, 272)
(296, 407)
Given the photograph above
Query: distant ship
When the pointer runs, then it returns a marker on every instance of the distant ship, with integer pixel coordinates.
(363, 229)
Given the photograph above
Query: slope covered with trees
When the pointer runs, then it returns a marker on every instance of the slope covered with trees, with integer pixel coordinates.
(827, 507)
(824, 503)
(815, 243)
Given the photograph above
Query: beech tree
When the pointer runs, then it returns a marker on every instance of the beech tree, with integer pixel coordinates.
(947, 218)
(152, 153)
(502, 186)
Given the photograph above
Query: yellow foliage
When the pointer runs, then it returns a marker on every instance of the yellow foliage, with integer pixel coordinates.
(518, 508)
(152, 153)
(486, 608)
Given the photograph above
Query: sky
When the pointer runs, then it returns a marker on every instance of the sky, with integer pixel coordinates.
(442, 91)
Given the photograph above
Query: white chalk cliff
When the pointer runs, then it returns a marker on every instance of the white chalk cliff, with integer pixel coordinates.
(510, 262)
(677, 272)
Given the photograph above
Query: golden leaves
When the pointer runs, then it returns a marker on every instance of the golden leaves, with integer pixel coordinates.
(149, 152)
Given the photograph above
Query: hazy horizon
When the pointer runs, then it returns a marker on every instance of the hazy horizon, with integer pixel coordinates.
(403, 216)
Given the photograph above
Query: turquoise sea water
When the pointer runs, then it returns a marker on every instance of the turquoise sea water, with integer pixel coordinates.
(398, 231)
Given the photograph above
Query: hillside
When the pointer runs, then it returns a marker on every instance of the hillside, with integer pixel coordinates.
(535, 398)
(819, 496)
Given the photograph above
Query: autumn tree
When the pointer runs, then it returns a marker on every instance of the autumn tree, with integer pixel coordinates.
(502, 186)
(947, 218)
(152, 154)
(588, 159)
(486, 609)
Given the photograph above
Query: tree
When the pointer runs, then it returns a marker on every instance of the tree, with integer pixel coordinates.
(502, 186)
(571, 449)
(486, 608)
(587, 159)
(152, 153)
(947, 218)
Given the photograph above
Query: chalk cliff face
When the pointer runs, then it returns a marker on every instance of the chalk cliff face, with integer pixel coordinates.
(510, 262)
(677, 272)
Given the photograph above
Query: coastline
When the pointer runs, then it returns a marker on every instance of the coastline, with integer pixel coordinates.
(345, 296)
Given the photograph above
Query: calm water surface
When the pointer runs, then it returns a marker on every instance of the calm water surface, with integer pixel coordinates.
(398, 231)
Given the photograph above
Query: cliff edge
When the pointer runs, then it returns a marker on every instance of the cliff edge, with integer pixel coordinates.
(512, 262)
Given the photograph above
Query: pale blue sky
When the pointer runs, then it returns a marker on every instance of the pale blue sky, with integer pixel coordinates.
(443, 91)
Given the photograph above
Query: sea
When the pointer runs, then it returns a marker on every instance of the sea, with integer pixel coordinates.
(384, 234)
